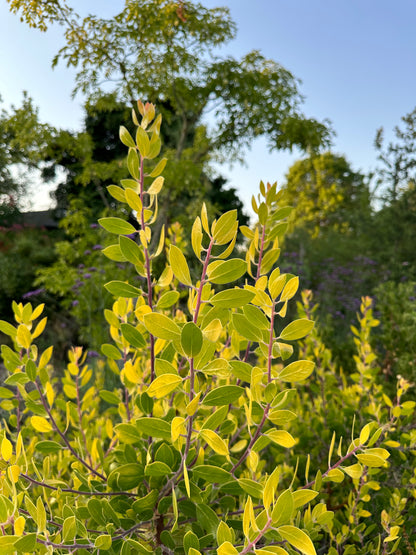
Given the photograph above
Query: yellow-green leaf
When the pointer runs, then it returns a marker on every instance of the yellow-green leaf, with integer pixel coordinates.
(297, 371)
(281, 437)
(6, 449)
(116, 225)
(297, 329)
(216, 443)
(159, 168)
(126, 138)
(290, 289)
(303, 496)
(41, 424)
(224, 229)
(283, 509)
(221, 272)
(179, 265)
(297, 538)
(161, 326)
(163, 385)
(232, 298)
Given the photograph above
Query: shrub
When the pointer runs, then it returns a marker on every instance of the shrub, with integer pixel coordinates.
(203, 445)
(396, 303)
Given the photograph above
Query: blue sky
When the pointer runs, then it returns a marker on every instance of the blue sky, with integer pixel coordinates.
(355, 58)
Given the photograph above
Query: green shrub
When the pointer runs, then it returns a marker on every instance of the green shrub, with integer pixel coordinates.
(396, 303)
(217, 439)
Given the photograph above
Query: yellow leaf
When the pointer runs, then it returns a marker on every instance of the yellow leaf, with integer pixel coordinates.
(193, 405)
(6, 449)
(45, 358)
(19, 525)
(39, 328)
(131, 373)
(290, 289)
(226, 548)
(213, 330)
(177, 427)
(281, 437)
(23, 336)
(73, 369)
(163, 385)
(179, 265)
(216, 443)
(38, 311)
(186, 480)
(14, 472)
(19, 445)
(41, 424)
(109, 428)
(50, 394)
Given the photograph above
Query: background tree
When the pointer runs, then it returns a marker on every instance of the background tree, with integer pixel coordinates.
(164, 51)
(397, 159)
(328, 244)
(395, 221)
(213, 108)
(327, 195)
(22, 140)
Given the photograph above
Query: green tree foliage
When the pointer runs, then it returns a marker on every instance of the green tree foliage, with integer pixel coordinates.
(164, 50)
(91, 159)
(397, 159)
(395, 221)
(216, 439)
(396, 304)
(327, 195)
(22, 140)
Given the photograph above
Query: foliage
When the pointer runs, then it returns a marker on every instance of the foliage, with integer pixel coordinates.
(396, 304)
(22, 138)
(397, 159)
(193, 451)
(327, 195)
(23, 250)
(164, 50)
(78, 274)
(391, 236)
(371, 500)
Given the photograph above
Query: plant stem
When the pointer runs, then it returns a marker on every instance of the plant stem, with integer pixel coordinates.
(78, 492)
(84, 439)
(63, 436)
(148, 271)
(253, 440)
(253, 543)
(336, 465)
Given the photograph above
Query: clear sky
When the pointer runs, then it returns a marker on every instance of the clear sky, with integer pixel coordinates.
(355, 58)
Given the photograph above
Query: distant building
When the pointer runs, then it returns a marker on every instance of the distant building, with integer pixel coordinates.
(42, 218)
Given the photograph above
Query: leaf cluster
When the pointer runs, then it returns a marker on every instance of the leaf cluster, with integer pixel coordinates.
(201, 445)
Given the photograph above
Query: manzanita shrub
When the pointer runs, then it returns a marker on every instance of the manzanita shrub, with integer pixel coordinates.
(218, 437)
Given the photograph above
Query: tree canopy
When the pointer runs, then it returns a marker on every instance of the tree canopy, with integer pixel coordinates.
(327, 194)
(164, 50)
(22, 140)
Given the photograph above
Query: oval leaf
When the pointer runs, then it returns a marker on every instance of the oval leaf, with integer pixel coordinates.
(298, 539)
(179, 265)
(297, 329)
(297, 371)
(191, 339)
(117, 226)
(223, 395)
